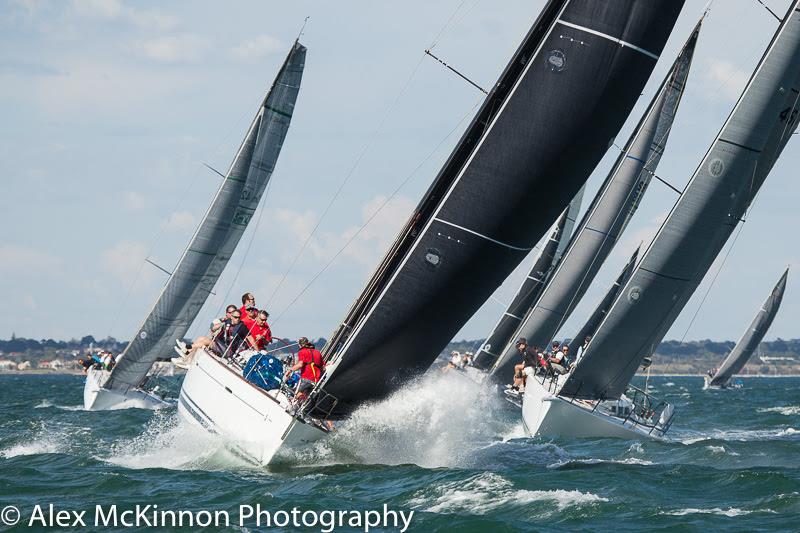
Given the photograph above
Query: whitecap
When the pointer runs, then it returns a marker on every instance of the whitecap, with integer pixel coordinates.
(788, 410)
(732, 511)
(488, 491)
(595, 461)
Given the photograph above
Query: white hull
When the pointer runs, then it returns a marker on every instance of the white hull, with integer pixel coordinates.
(256, 422)
(545, 414)
(728, 385)
(96, 398)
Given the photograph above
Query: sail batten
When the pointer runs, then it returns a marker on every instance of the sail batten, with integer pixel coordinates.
(543, 127)
(700, 223)
(218, 233)
(608, 216)
(744, 349)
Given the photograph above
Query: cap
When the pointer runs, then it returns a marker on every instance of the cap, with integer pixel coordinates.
(522, 340)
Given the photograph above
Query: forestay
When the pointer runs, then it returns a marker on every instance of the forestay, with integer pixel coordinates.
(607, 217)
(711, 206)
(747, 345)
(218, 233)
(540, 132)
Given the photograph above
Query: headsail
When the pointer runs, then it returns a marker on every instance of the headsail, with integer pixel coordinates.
(608, 216)
(573, 209)
(602, 308)
(740, 354)
(219, 232)
(541, 130)
(702, 220)
(528, 290)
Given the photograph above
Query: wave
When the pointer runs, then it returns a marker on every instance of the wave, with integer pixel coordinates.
(44, 404)
(595, 461)
(732, 511)
(720, 449)
(737, 435)
(486, 492)
(788, 410)
(170, 442)
(47, 439)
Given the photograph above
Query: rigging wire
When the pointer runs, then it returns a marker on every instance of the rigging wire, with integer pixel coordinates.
(375, 213)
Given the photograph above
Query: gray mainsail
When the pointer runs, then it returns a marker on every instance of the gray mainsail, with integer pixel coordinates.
(740, 354)
(218, 233)
(602, 308)
(572, 218)
(543, 127)
(526, 294)
(607, 217)
(702, 220)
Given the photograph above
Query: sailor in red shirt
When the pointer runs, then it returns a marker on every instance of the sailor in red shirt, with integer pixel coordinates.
(311, 366)
(249, 317)
(260, 334)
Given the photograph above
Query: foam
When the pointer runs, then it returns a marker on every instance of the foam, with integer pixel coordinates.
(486, 492)
(437, 420)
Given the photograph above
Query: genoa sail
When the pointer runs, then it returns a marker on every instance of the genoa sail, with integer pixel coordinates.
(219, 232)
(540, 132)
(700, 223)
(602, 308)
(608, 216)
(734, 363)
(533, 282)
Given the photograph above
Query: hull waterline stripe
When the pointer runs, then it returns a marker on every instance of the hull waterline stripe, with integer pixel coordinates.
(483, 236)
(609, 37)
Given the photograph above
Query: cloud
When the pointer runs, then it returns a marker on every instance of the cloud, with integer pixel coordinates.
(180, 221)
(724, 78)
(124, 260)
(258, 47)
(15, 258)
(116, 10)
(174, 48)
(133, 201)
(644, 234)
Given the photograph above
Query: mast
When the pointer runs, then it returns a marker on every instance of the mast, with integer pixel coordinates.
(711, 206)
(744, 349)
(541, 130)
(609, 214)
(219, 232)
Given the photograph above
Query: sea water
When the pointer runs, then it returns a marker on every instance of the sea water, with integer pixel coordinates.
(444, 447)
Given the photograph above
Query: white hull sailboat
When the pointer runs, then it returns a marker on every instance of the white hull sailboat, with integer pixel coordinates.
(98, 398)
(544, 413)
(258, 423)
(209, 251)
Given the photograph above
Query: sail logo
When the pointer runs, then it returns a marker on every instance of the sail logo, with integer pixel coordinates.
(241, 218)
(716, 167)
(634, 295)
(433, 258)
(556, 60)
(143, 335)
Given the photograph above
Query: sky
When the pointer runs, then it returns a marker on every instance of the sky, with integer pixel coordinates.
(110, 109)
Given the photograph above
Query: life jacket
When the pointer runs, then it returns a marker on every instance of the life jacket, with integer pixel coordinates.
(315, 365)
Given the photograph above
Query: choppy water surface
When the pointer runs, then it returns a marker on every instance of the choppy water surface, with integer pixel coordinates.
(444, 447)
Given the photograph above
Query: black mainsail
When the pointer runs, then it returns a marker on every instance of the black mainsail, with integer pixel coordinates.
(711, 206)
(538, 135)
(744, 349)
(607, 217)
(218, 233)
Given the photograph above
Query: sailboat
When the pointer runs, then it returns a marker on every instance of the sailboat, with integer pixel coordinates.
(209, 250)
(738, 357)
(596, 399)
(606, 219)
(540, 132)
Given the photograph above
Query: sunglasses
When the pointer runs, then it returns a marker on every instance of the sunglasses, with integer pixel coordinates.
(236, 316)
